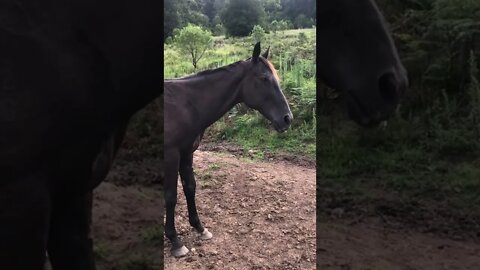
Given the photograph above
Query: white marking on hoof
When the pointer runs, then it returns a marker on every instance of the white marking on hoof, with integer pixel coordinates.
(180, 252)
(205, 235)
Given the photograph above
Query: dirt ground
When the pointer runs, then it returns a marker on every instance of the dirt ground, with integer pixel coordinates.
(262, 216)
(366, 246)
(128, 216)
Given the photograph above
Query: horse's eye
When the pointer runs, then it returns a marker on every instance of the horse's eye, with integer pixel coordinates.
(263, 78)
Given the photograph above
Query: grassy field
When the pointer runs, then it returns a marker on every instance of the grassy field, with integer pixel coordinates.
(293, 55)
(423, 171)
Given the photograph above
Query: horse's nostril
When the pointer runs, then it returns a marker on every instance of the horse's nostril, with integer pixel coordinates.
(388, 87)
(287, 119)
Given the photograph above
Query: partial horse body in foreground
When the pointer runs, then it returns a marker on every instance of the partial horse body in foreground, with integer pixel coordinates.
(191, 104)
(357, 56)
(71, 75)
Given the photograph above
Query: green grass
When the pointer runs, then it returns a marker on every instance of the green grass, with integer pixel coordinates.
(206, 179)
(214, 167)
(251, 133)
(100, 251)
(137, 262)
(294, 58)
(153, 234)
(423, 176)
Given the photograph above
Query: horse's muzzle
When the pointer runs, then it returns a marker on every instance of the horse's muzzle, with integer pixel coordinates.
(284, 124)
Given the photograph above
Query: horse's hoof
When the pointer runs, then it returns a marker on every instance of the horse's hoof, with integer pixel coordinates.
(179, 252)
(205, 235)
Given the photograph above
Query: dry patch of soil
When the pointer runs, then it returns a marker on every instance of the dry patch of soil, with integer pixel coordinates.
(261, 214)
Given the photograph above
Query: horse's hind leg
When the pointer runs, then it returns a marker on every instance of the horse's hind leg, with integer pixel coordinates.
(172, 159)
(24, 218)
(69, 244)
(189, 188)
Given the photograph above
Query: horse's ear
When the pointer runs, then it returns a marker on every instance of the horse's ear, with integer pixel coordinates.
(265, 54)
(256, 52)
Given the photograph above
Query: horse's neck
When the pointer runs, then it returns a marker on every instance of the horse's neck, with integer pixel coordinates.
(213, 95)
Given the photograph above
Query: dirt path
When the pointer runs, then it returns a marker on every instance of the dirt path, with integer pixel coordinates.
(126, 227)
(367, 246)
(262, 216)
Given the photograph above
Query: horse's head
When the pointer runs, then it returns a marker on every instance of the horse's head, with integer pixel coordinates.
(358, 57)
(261, 91)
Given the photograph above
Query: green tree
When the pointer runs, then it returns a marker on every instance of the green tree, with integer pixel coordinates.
(258, 34)
(216, 20)
(292, 8)
(274, 26)
(197, 18)
(209, 10)
(272, 9)
(218, 30)
(284, 25)
(171, 18)
(301, 21)
(302, 38)
(193, 40)
(239, 16)
(179, 13)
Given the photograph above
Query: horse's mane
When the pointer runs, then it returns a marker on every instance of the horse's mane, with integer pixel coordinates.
(271, 67)
(224, 68)
(208, 71)
(229, 67)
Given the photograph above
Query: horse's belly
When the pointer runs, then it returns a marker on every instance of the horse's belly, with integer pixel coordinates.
(179, 128)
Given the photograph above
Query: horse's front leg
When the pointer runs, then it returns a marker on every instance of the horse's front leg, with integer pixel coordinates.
(172, 160)
(25, 207)
(69, 244)
(189, 188)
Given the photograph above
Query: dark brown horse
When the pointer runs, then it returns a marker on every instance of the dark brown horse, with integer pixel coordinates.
(72, 72)
(194, 103)
(356, 55)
